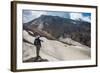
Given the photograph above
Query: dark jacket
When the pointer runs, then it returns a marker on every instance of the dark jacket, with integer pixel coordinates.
(37, 41)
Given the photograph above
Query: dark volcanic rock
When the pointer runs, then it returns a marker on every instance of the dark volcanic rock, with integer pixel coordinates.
(35, 60)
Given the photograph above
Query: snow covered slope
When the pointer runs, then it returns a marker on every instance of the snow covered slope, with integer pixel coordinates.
(53, 50)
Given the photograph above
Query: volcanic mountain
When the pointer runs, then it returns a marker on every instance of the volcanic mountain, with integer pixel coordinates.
(55, 27)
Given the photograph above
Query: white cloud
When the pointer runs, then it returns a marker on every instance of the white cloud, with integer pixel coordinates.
(30, 15)
(77, 16)
(86, 18)
(37, 14)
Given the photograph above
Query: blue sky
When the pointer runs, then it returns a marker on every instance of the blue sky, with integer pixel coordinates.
(29, 15)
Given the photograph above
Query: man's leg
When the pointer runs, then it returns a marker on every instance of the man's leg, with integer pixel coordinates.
(38, 50)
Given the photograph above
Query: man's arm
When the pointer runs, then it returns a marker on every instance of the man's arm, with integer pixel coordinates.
(41, 40)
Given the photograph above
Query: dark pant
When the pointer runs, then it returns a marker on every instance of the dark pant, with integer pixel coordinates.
(37, 50)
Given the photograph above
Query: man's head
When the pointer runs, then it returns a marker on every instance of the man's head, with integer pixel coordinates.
(38, 36)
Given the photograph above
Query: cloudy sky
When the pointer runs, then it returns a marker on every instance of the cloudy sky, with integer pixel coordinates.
(29, 15)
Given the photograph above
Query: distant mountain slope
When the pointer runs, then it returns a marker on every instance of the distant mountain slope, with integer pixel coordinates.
(53, 50)
(56, 27)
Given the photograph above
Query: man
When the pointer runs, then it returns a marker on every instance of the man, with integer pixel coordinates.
(37, 43)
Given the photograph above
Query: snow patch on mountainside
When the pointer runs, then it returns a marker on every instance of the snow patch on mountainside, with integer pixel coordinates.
(72, 42)
(54, 50)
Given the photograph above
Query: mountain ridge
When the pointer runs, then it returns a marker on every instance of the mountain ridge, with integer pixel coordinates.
(58, 27)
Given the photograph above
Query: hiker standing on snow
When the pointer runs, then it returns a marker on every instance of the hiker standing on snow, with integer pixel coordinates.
(37, 43)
